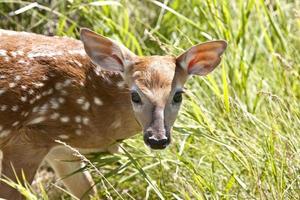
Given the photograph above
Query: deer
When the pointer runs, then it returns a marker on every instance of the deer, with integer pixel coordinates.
(88, 93)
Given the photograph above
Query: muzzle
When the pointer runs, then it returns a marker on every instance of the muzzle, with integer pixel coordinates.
(157, 139)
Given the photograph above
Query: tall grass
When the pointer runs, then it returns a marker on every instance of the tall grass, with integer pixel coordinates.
(238, 133)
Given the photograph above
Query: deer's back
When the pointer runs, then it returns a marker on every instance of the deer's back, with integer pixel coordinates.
(49, 85)
(32, 69)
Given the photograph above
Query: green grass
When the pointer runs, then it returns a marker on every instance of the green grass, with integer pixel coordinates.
(238, 133)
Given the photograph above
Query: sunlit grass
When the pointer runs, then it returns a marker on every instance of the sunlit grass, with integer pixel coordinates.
(237, 135)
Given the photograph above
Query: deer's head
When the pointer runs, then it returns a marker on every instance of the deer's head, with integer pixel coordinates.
(155, 82)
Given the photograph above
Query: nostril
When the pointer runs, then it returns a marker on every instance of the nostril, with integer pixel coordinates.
(148, 134)
(157, 143)
(157, 139)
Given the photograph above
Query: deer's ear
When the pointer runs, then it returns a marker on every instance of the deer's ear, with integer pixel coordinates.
(203, 58)
(105, 52)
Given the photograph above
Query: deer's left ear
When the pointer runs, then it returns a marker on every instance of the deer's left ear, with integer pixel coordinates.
(105, 52)
(202, 58)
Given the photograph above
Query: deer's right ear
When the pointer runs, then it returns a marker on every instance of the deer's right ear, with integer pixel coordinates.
(203, 58)
(105, 52)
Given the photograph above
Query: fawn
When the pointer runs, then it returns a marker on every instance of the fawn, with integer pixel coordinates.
(87, 94)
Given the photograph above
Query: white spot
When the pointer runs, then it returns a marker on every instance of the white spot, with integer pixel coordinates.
(15, 108)
(67, 82)
(24, 87)
(50, 91)
(58, 86)
(15, 123)
(3, 53)
(23, 98)
(14, 54)
(78, 132)
(64, 119)
(39, 84)
(2, 76)
(3, 107)
(116, 124)
(45, 93)
(43, 109)
(63, 92)
(86, 106)
(31, 91)
(78, 119)
(37, 97)
(32, 101)
(121, 84)
(20, 52)
(61, 100)
(54, 103)
(23, 62)
(2, 91)
(44, 78)
(25, 114)
(35, 109)
(98, 101)
(54, 116)
(11, 85)
(85, 120)
(98, 70)
(80, 100)
(17, 78)
(37, 120)
(4, 133)
(64, 137)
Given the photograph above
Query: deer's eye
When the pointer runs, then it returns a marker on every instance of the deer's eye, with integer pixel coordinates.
(135, 98)
(177, 97)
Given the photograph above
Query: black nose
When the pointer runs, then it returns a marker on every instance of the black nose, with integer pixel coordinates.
(156, 142)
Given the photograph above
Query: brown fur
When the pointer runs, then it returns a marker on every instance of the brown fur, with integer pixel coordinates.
(50, 90)
(52, 85)
(158, 68)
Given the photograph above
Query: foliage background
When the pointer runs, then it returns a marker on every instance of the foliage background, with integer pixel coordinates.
(237, 135)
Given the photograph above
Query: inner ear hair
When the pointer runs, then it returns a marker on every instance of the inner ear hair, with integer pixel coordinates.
(203, 58)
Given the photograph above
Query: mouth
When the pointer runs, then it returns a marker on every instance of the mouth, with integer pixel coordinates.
(157, 147)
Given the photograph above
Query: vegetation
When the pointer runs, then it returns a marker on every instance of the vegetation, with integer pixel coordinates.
(238, 133)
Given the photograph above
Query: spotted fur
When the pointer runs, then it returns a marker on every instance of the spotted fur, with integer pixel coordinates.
(50, 90)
